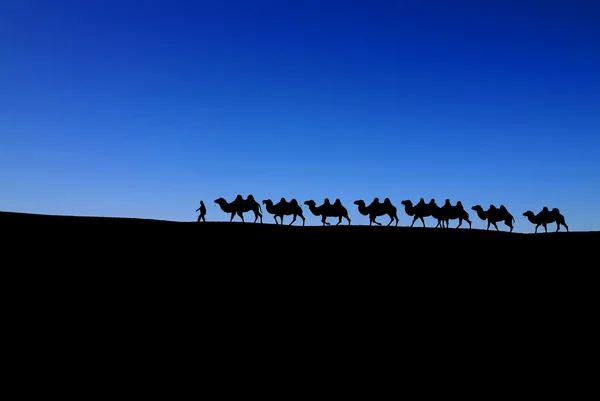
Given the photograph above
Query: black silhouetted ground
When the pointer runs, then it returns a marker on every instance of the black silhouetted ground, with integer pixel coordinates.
(226, 279)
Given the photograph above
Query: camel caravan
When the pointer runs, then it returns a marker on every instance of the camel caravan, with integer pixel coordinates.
(441, 214)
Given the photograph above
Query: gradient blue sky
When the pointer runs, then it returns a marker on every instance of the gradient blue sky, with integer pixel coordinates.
(142, 108)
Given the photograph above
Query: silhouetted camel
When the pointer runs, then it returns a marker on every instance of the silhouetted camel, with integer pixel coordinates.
(546, 217)
(422, 209)
(240, 206)
(328, 210)
(494, 215)
(202, 210)
(376, 209)
(284, 208)
(451, 212)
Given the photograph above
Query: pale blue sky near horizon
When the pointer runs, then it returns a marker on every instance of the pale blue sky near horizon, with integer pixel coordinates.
(142, 108)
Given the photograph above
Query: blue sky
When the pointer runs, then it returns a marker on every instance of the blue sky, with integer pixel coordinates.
(142, 108)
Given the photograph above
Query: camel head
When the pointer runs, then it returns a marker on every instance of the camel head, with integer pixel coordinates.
(477, 208)
(407, 203)
(528, 214)
(359, 202)
(267, 202)
(310, 203)
(220, 201)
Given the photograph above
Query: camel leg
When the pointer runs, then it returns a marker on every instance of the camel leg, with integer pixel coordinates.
(303, 220)
(241, 216)
(545, 227)
(293, 219)
(348, 218)
(509, 225)
(391, 221)
(324, 221)
(566, 226)
(375, 221)
(496, 226)
(413, 222)
(339, 221)
(281, 217)
(459, 223)
(275, 218)
(536, 228)
(232, 216)
(397, 220)
(422, 220)
(557, 226)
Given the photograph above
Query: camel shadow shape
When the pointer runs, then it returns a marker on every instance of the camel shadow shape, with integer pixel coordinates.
(546, 217)
(422, 210)
(494, 215)
(328, 210)
(453, 212)
(240, 206)
(284, 208)
(376, 209)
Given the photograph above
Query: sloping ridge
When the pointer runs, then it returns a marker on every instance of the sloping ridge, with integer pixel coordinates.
(269, 228)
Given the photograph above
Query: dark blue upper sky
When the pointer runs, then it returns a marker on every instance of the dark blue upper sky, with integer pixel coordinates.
(142, 108)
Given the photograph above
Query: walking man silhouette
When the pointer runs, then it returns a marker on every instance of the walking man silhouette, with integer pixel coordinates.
(202, 210)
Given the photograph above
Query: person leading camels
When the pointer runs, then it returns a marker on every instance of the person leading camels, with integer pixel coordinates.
(240, 206)
(328, 210)
(202, 210)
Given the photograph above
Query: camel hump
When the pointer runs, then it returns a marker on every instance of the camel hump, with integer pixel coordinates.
(293, 201)
(250, 197)
(545, 209)
(387, 201)
(555, 210)
(337, 202)
(459, 204)
(282, 200)
(502, 207)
